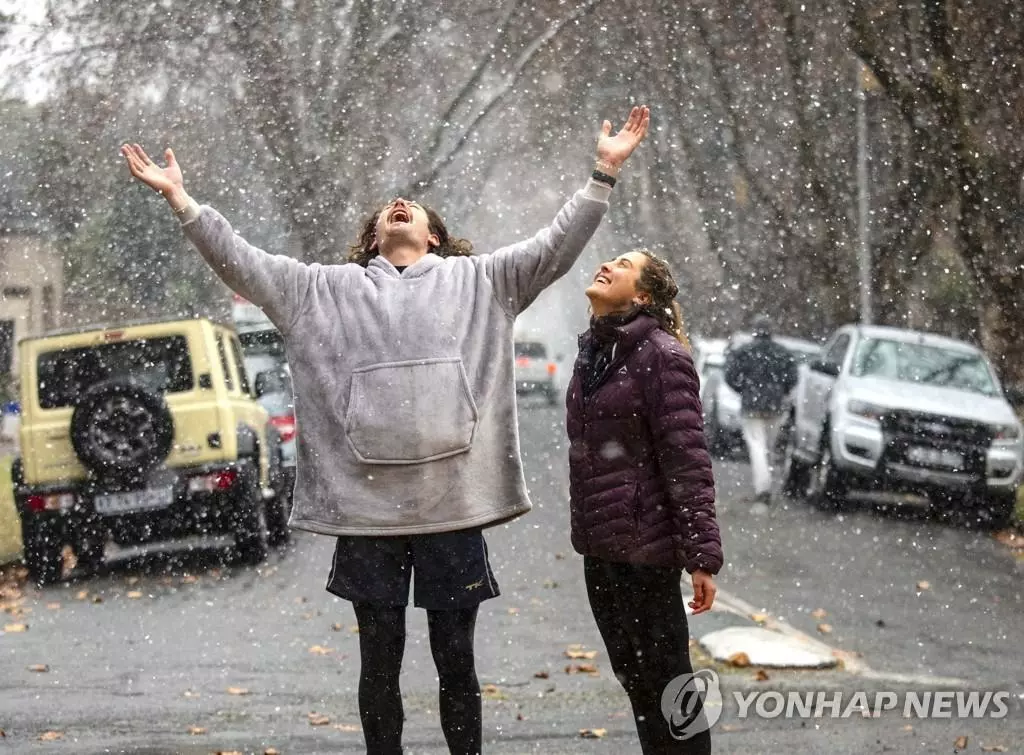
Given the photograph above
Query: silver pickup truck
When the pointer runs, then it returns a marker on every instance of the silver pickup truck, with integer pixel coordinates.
(885, 410)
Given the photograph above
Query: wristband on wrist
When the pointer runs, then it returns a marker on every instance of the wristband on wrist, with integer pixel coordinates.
(604, 178)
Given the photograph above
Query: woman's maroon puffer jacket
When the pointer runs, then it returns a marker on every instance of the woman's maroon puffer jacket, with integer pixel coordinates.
(641, 486)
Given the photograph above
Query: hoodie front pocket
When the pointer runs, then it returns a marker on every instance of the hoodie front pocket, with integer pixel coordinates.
(410, 412)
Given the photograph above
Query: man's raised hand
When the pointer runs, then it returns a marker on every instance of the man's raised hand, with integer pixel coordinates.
(168, 181)
(614, 150)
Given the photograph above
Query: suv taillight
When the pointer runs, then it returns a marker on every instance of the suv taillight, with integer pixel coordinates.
(49, 502)
(213, 482)
(285, 426)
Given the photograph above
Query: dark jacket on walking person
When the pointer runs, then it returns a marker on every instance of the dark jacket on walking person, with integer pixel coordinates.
(762, 372)
(642, 493)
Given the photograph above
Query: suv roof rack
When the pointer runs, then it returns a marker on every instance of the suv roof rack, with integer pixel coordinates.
(125, 324)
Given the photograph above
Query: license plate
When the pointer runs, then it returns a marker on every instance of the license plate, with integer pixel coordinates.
(935, 457)
(135, 500)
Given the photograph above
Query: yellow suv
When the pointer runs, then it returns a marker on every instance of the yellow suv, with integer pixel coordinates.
(142, 432)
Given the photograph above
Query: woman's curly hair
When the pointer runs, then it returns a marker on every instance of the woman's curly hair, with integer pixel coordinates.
(657, 282)
(362, 252)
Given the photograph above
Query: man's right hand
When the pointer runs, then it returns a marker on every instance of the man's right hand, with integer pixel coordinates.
(167, 181)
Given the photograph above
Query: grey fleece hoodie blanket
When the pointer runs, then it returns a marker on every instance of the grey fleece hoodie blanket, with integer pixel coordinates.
(404, 387)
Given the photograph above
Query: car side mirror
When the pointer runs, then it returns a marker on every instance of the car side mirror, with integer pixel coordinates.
(1015, 396)
(825, 368)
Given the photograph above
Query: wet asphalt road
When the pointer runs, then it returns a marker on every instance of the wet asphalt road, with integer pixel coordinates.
(174, 653)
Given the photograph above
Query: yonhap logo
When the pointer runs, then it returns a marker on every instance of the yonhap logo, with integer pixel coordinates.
(692, 703)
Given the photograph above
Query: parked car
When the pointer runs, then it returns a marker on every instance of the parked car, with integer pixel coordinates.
(889, 410)
(139, 432)
(536, 371)
(722, 425)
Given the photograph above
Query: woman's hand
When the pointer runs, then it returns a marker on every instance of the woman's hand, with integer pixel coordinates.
(613, 150)
(168, 181)
(704, 591)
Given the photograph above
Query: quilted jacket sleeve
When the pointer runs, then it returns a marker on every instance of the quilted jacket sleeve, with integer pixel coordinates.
(677, 426)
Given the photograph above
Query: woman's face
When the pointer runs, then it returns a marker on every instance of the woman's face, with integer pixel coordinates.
(614, 288)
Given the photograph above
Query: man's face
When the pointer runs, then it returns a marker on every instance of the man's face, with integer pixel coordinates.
(403, 222)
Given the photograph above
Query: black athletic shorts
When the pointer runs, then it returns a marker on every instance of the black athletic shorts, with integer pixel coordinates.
(450, 570)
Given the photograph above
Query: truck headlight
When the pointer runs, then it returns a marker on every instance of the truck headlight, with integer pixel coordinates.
(866, 409)
(1007, 432)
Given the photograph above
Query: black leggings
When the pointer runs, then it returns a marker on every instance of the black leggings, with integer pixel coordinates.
(640, 614)
(381, 646)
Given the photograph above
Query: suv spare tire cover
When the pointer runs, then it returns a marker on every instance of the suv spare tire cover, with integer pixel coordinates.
(121, 427)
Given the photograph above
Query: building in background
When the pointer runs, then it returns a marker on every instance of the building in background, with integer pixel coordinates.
(31, 291)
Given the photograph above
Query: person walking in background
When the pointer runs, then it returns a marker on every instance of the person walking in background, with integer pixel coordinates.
(642, 491)
(403, 372)
(763, 373)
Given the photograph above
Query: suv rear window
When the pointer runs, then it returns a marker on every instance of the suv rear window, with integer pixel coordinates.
(530, 349)
(161, 364)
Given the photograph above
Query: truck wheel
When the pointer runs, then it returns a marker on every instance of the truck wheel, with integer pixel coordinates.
(793, 473)
(826, 486)
(250, 519)
(993, 512)
(42, 553)
(279, 509)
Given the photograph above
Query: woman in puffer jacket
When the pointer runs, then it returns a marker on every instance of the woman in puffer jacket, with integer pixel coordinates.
(642, 492)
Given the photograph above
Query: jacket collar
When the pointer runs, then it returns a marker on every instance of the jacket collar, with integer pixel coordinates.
(625, 330)
(380, 267)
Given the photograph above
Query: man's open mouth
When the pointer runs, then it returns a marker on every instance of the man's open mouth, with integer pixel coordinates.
(400, 215)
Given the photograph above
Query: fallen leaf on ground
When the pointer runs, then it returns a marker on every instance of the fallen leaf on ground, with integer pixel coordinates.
(740, 659)
(1010, 538)
(53, 606)
(520, 717)
(759, 618)
(960, 743)
(347, 727)
(577, 653)
(994, 748)
(761, 675)
(3, 733)
(134, 595)
(908, 727)
(317, 719)
(320, 650)
(81, 595)
(302, 599)
(825, 628)
(196, 730)
(513, 611)
(51, 736)
(227, 752)
(97, 598)
(237, 691)
(819, 613)
(593, 733)
(559, 556)
(39, 668)
(15, 628)
(541, 675)
(336, 627)
(582, 668)
(491, 692)
(924, 584)
(271, 751)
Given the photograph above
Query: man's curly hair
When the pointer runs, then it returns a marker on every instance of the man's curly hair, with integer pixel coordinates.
(361, 252)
